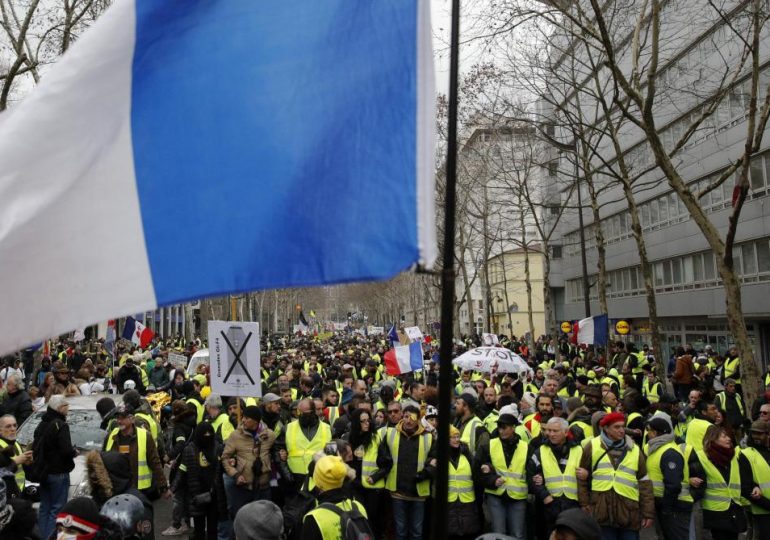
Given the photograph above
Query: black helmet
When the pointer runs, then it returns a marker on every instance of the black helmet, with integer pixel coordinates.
(127, 511)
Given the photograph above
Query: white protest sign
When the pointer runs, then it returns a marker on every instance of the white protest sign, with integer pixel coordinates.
(376, 330)
(340, 326)
(489, 339)
(234, 358)
(413, 333)
(179, 361)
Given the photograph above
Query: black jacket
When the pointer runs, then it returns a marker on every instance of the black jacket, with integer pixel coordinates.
(53, 445)
(195, 479)
(19, 405)
(672, 467)
(407, 476)
(734, 518)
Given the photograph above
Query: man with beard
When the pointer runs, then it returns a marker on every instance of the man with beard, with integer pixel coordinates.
(303, 438)
(472, 430)
(62, 384)
(271, 413)
(544, 407)
(487, 410)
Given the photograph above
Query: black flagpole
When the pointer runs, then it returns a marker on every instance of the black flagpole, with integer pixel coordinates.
(440, 514)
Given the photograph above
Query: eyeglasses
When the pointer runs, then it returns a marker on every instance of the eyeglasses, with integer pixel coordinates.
(764, 412)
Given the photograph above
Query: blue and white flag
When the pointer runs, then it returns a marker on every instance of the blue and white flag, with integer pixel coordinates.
(188, 149)
(393, 335)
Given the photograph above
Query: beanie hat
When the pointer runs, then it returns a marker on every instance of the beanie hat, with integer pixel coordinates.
(511, 409)
(470, 399)
(453, 431)
(253, 412)
(81, 514)
(214, 400)
(330, 472)
(104, 406)
(259, 520)
(612, 418)
(659, 424)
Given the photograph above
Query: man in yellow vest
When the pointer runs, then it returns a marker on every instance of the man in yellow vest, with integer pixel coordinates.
(667, 465)
(146, 467)
(219, 419)
(303, 438)
(731, 404)
(503, 464)
(612, 481)
(732, 368)
(758, 455)
(11, 451)
(704, 415)
(472, 430)
(651, 387)
(552, 468)
(324, 521)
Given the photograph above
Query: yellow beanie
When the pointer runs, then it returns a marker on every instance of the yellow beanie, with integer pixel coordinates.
(453, 431)
(330, 472)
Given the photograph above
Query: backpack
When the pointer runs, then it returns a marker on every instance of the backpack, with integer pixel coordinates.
(38, 471)
(353, 524)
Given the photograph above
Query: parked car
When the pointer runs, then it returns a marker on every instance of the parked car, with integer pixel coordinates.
(200, 357)
(84, 421)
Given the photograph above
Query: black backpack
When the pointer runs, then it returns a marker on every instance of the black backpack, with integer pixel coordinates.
(353, 524)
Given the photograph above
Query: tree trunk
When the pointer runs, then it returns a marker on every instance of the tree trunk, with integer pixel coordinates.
(550, 319)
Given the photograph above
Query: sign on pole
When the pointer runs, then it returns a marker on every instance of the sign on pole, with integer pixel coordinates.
(414, 333)
(234, 358)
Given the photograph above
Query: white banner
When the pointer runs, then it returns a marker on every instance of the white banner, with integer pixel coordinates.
(489, 339)
(235, 358)
(414, 333)
(340, 326)
(376, 330)
(299, 329)
(177, 360)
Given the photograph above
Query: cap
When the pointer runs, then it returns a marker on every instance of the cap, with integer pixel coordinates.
(330, 472)
(760, 426)
(431, 411)
(659, 425)
(612, 418)
(270, 398)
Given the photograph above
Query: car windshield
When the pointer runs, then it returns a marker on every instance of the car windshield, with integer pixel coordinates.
(83, 424)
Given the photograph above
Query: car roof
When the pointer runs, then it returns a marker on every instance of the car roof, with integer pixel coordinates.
(89, 402)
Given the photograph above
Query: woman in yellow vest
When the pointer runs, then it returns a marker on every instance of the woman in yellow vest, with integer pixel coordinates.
(462, 511)
(722, 477)
(365, 441)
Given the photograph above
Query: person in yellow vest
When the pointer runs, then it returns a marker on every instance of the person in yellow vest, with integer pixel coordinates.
(721, 476)
(544, 407)
(218, 417)
(612, 481)
(757, 453)
(503, 464)
(704, 415)
(303, 438)
(732, 368)
(730, 402)
(12, 456)
(146, 468)
(246, 460)
(401, 460)
(271, 413)
(652, 388)
(364, 439)
(667, 465)
(472, 430)
(463, 512)
(488, 409)
(191, 392)
(552, 469)
(465, 381)
(324, 522)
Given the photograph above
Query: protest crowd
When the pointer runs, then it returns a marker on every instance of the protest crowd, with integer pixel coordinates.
(586, 443)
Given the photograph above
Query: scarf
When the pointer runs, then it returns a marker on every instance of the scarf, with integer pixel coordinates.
(720, 456)
(612, 445)
(660, 440)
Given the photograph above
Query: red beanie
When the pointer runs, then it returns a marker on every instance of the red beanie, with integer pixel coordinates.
(612, 418)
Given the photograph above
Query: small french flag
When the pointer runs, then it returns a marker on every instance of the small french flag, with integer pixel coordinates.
(137, 333)
(591, 331)
(403, 359)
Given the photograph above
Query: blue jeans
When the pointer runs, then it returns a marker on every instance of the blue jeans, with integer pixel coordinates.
(54, 491)
(613, 533)
(238, 496)
(509, 516)
(409, 516)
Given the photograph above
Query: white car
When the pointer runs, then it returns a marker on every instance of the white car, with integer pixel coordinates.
(84, 421)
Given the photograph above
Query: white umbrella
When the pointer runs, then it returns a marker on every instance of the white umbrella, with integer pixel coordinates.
(491, 360)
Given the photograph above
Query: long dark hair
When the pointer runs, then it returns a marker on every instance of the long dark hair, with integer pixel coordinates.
(357, 437)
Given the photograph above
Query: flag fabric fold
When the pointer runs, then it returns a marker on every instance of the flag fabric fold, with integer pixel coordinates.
(393, 335)
(211, 125)
(591, 331)
(403, 359)
(137, 333)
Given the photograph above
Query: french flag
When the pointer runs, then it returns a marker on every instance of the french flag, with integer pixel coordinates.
(591, 331)
(137, 333)
(403, 359)
(265, 134)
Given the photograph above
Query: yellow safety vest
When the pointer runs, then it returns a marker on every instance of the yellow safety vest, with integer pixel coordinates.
(20, 478)
(300, 449)
(760, 470)
(199, 410)
(150, 421)
(393, 440)
(557, 482)
(143, 474)
(369, 463)
(656, 474)
(461, 481)
(606, 477)
(490, 422)
(633, 416)
(718, 494)
(223, 426)
(731, 366)
(514, 474)
(334, 413)
(588, 430)
(329, 523)
(696, 430)
(468, 436)
(535, 430)
(721, 397)
(651, 393)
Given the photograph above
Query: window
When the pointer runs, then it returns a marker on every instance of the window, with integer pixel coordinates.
(737, 266)
(763, 255)
(747, 257)
(757, 177)
(676, 271)
(634, 280)
(697, 263)
(658, 274)
(687, 271)
(708, 267)
(667, 272)
(556, 252)
(553, 168)
(663, 208)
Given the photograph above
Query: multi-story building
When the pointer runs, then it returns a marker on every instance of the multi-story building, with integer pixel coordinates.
(700, 50)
